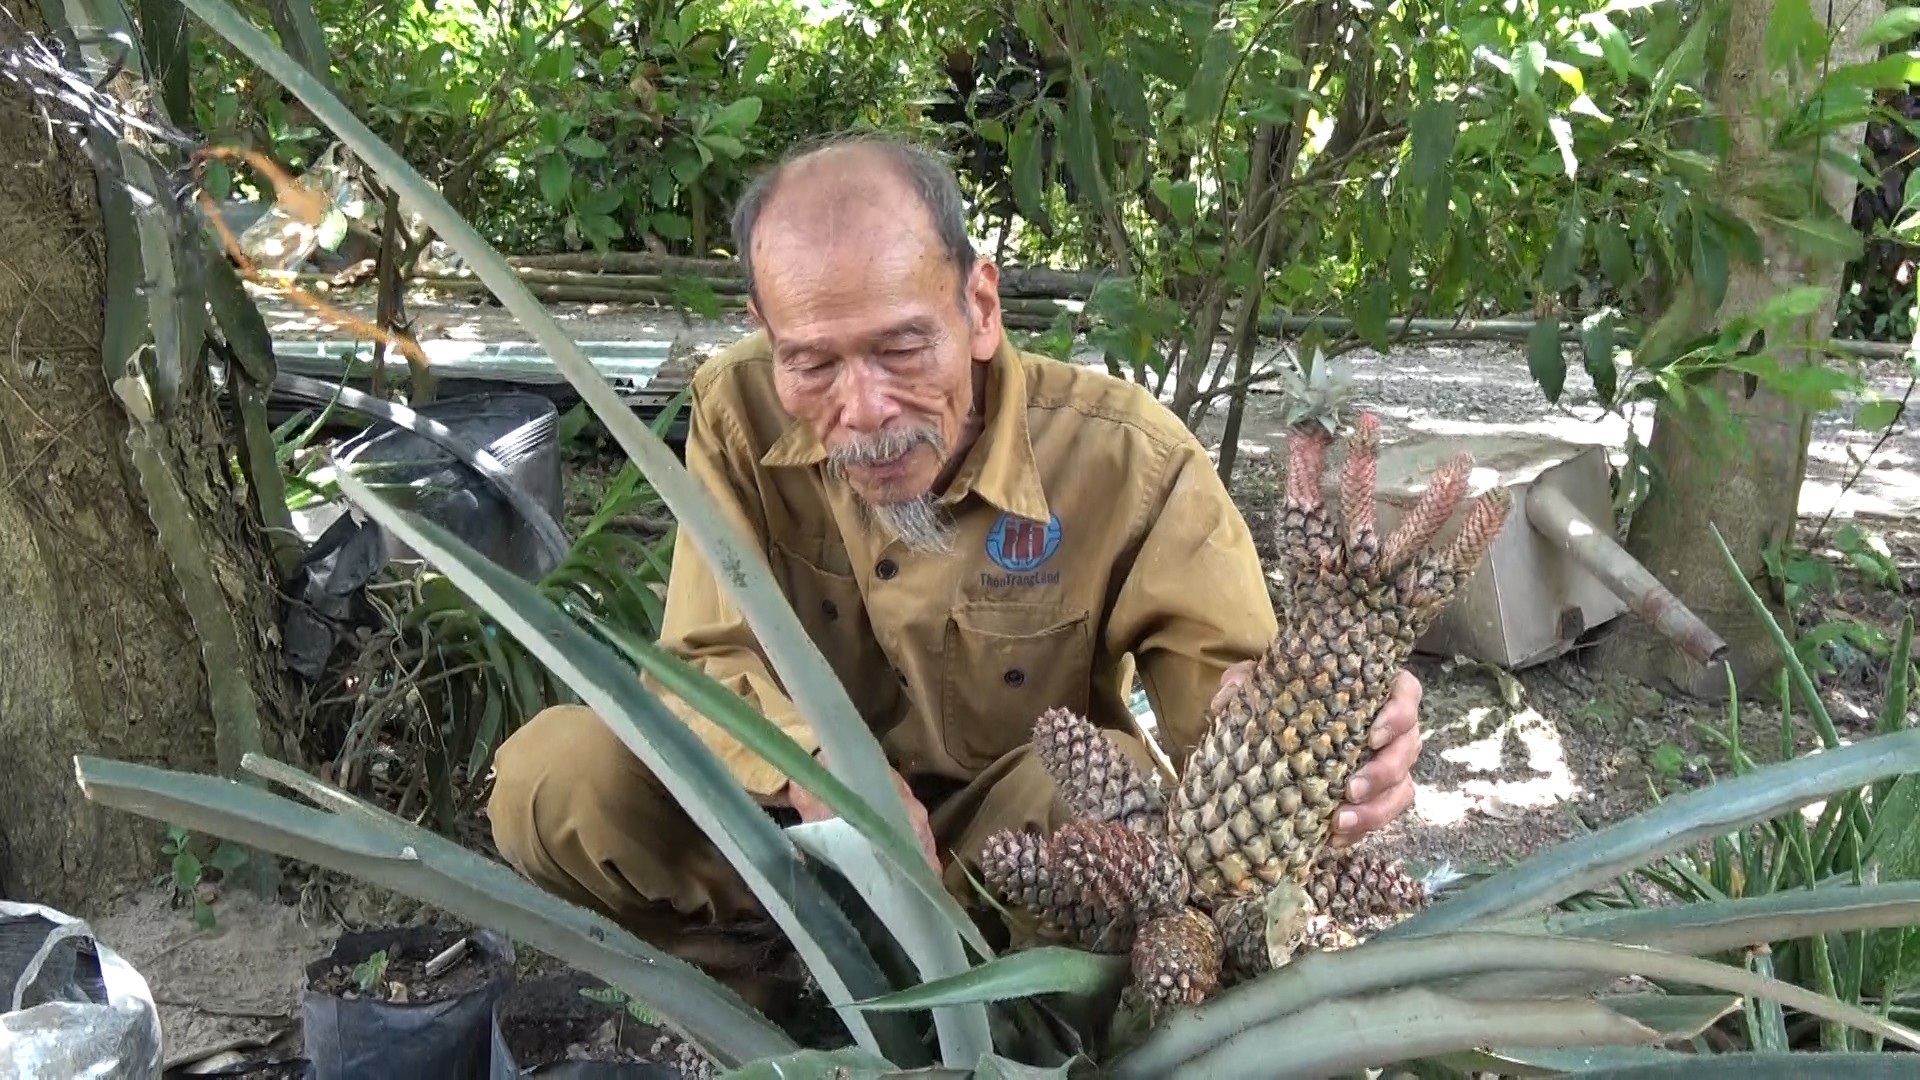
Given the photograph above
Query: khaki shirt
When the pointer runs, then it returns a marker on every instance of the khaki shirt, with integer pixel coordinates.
(1089, 526)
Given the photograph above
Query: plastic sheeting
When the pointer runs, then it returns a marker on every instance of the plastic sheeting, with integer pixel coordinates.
(73, 1008)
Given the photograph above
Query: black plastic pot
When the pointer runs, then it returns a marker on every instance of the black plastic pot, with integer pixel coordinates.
(350, 1037)
(521, 431)
(536, 1015)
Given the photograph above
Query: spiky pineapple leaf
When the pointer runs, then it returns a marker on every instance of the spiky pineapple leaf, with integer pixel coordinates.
(995, 1067)
(1345, 1036)
(1744, 1065)
(690, 771)
(964, 1032)
(1707, 927)
(740, 720)
(1354, 973)
(847, 1063)
(1551, 1061)
(353, 837)
(1674, 1016)
(1719, 925)
(852, 1064)
(1029, 972)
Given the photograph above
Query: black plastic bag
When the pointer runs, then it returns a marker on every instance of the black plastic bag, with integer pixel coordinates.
(353, 1037)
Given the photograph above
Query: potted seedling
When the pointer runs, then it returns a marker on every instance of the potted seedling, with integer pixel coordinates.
(405, 1002)
(570, 1026)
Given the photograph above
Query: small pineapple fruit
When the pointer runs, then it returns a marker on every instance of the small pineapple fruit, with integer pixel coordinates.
(1096, 781)
(1092, 883)
(1355, 888)
(1176, 960)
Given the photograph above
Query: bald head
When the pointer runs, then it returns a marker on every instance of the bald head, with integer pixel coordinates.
(834, 191)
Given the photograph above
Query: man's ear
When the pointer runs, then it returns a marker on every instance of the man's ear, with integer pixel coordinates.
(753, 312)
(983, 303)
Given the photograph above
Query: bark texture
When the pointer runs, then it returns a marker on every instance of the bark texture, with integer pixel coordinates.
(97, 655)
(1746, 480)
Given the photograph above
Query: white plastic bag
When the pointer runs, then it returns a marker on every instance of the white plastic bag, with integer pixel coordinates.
(70, 1007)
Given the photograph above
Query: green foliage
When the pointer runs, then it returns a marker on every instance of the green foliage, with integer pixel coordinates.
(190, 858)
(562, 124)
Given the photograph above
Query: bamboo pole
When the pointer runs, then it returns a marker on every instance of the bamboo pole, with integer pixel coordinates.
(1019, 315)
(1038, 281)
(1031, 297)
(1518, 329)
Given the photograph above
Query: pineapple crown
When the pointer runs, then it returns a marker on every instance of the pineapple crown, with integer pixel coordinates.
(1318, 391)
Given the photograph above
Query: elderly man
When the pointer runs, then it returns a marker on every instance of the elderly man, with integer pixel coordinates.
(972, 534)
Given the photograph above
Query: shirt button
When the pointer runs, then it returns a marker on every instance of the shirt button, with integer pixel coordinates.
(887, 569)
(830, 609)
(1014, 677)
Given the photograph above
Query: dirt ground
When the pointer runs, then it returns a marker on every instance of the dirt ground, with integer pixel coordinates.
(1513, 762)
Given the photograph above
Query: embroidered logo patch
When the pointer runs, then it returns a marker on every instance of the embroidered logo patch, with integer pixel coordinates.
(1021, 548)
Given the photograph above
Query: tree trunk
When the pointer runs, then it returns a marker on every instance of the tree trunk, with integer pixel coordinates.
(1743, 479)
(97, 652)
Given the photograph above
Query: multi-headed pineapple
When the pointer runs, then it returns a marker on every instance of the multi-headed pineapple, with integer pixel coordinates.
(1230, 872)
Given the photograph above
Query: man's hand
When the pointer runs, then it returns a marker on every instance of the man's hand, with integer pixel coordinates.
(1383, 788)
(812, 809)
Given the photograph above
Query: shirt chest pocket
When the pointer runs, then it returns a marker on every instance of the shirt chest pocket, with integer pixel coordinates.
(826, 598)
(1003, 664)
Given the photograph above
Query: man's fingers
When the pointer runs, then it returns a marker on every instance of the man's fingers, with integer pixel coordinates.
(1356, 820)
(926, 839)
(1400, 714)
(807, 806)
(1388, 764)
(1230, 678)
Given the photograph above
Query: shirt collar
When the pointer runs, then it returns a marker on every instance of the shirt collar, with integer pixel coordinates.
(1001, 466)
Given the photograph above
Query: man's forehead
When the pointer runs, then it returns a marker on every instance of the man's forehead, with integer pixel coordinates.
(887, 327)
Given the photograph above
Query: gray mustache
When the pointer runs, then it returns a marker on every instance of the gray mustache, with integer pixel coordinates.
(885, 446)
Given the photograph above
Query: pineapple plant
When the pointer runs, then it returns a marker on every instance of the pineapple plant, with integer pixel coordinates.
(1229, 873)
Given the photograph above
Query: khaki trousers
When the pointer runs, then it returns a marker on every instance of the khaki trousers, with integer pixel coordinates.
(577, 813)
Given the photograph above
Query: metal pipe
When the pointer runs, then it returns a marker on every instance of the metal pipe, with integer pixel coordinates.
(1555, 517)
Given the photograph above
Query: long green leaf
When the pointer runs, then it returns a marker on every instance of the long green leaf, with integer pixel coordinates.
(1802, 681)
(964, 1032)
(1705, 928)
(416, 863)
(741, 569)
(1378, 964)
(846, 1064)
(1334, 1038)
(1714, 926)
(1016, 976)
(1676, 824)
(1509, 1061)
(1762, 1066)
(732, 714)
(685, 766)
(1677, 1017)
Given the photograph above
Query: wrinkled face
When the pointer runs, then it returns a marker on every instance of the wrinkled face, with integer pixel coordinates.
(877, 343)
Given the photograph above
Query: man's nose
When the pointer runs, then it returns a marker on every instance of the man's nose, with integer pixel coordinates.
(865, 404)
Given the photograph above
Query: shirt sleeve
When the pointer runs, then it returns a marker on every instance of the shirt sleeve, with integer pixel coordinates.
(703, 627)
(1194, 601)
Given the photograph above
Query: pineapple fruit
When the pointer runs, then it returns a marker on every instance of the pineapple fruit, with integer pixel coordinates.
(1229, 873)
